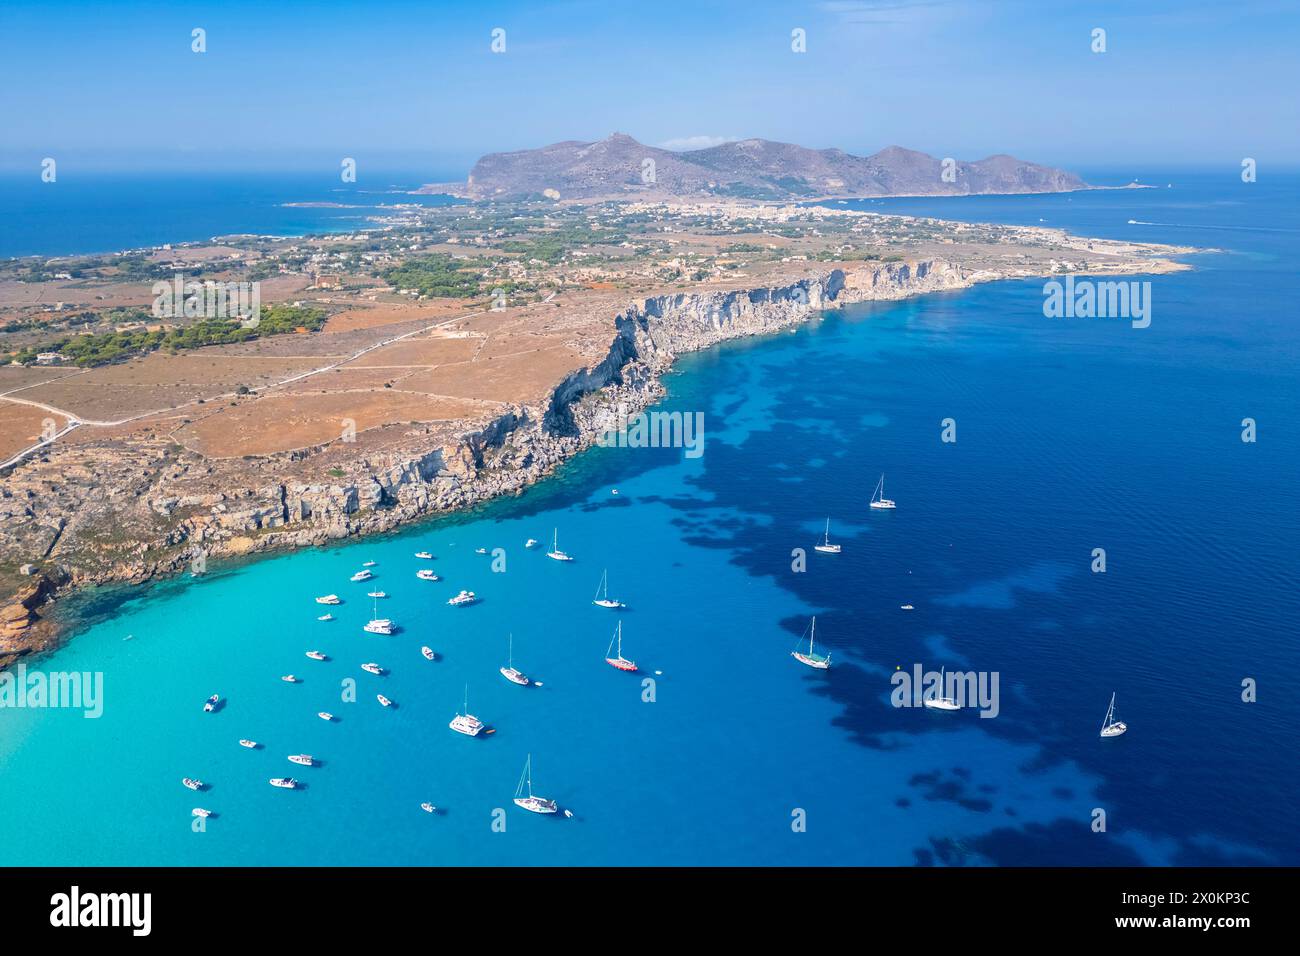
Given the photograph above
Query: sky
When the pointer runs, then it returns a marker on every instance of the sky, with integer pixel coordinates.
(288, 85)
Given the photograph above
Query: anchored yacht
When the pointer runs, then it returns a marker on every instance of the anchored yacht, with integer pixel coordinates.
(531, 802)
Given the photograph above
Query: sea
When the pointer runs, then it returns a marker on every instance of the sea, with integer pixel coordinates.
(1072, 437)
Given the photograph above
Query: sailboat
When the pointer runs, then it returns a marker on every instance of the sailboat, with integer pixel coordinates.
(377, 624)
(812, 658)
(602, 593)
(826, 547)
(620, 662)
(510, 672)
(555, 551)
(530, 802)
(878, 499)
(466, 723)
(941, 702)
(1111, 727)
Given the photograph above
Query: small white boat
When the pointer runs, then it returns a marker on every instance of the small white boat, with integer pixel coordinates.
(192, 783)
(602, 598)
(362, 576)
(250, 744)
(325, 617)
(480, 550)
(428, 807)
(618, 661)
(211, 704)
(530, 802)
(306, 760)
(812, 658)
(424, 555)
(329, 599)
(530, 543)
(1110, 727)
(941, 702)
(373, 669)
(383, 700)
(200, 812)
(463, 599)
(325, 715)
(510, 672)
(826, 547)
(466, 723)
(368, 564)
(555, 553)
(878, 499)
(289, 679)
(317, 656)
(427, 575)
(428, 653)
(284, 783)
(906, 607)
(376, 594)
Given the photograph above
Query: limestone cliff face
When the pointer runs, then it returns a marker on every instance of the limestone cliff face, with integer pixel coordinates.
(497, 457)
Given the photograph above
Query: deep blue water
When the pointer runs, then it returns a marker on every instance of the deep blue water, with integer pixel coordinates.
(1071, 435)
(99, 212)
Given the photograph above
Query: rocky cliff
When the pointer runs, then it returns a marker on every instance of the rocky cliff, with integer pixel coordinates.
(170, 532)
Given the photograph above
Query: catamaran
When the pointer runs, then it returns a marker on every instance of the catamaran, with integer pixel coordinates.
(510, 672)
(1111, 727)
(555, 551)
(826, 547)
(602, 598)
(377, 624)
(812, 658)
(940, 702)
(530, 802)
(878, 499)
(618, 661)
(466, 723)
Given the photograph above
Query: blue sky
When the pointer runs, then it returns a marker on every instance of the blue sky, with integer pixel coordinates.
(415, 85)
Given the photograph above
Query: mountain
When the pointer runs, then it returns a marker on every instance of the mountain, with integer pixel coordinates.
(620, 167)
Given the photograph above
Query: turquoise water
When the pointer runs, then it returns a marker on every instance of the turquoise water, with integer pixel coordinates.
(1070, 436)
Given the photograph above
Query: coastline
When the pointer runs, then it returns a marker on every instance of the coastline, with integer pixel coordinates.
(518, 448)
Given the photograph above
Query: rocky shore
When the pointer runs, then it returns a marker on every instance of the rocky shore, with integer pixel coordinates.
(159, 510)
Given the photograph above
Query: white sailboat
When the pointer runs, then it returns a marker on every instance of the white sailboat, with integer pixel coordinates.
(812, 658)
(602, 598)
(826, 547)
(510, 672)
(1110, 727)
(940, 702)
(555, 553)
(530, 802)
(878, 499)
(466, 723)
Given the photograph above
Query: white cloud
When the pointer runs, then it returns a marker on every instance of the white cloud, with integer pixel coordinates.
(696, 142)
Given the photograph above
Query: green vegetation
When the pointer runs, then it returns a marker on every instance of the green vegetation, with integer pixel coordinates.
(88, 351)
(436, 276)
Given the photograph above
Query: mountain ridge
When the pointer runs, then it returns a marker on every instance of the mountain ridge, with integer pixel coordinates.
(619, 166)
